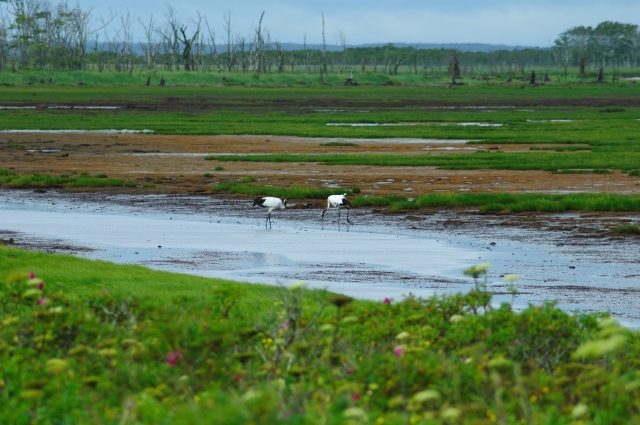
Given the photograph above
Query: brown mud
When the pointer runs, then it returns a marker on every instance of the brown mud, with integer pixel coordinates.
(179, 162)
(302, 106)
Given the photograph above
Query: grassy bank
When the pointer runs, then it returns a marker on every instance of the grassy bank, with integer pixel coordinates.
(161, 348)
(505, 202)
(35, 78)
(486, 202)
(295, 192)
(10, 179)
(477, 161)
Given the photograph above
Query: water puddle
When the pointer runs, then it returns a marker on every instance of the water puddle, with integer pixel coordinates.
(44, 150)
(389, 140)
(379, 256)
(81, 107)
(550, 120)
(123, 131)
(17, 107)
(479, 124)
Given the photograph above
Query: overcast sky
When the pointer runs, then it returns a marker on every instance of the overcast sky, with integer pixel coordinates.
(513, 22)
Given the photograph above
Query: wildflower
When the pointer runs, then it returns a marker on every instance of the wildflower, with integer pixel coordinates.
(172, 358)
(284, 325)
(398, 351)
(476, 270)
(42, 301)
(237, 378)
(355, 396)
(350, 371)
(105, 292)
(510, 278)
(32, 275)
(450, 413)
(355, 413)
(387, 300)
(40, 285)
(403, 335)
(579, 410)
(426, 395)
(297, 285)
(456, 318)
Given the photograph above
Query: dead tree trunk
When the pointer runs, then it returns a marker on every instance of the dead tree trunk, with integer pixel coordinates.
(395, 68)
(582, 65)
(600, 78)
(533, 78)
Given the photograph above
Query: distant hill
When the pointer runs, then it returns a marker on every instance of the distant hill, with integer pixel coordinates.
(464, 47)
(139, 48)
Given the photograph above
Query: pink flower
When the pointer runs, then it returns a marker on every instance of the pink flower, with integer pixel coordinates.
(284, 325)
(42, 301)
(387, 300)
(237, 378)
(40, 285)
(350, 371)
(32, 275)
(105, 292)
(172, 357)
(355, 396)
(398, 351)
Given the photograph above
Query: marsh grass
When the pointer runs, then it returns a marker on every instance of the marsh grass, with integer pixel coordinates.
(10, 179)
(513, 203)
(295, 192)
(630, 229)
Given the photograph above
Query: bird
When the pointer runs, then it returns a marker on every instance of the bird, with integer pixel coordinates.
(270, 203)
(338, 202)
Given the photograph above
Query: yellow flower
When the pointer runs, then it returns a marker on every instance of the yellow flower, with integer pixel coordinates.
(56, 366)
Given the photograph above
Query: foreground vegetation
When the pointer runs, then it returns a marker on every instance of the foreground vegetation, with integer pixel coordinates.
(85, 342)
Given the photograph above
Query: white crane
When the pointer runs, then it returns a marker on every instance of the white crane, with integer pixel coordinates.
(338, 202)
(270, 203)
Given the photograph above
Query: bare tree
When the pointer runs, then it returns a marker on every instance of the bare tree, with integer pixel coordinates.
(231, 47)
(260, 47)
(151, 47)
(212, 42)
(342, 39)
(324, 49)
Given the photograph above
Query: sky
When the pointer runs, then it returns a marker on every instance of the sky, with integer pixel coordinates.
(533, 23)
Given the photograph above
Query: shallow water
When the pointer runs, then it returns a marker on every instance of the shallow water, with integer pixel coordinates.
(123, 131)
(380, 256)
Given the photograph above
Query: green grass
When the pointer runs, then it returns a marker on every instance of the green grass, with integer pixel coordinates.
(295, 192)
(10, 179)
(497, 202)
(631, 229)
(480, 160)
(79, 277)
(164, 348)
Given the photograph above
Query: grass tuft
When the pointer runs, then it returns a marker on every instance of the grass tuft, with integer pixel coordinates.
(10, 179)
(631, 229)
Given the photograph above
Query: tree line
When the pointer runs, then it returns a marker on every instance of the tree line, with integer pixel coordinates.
(44, 35)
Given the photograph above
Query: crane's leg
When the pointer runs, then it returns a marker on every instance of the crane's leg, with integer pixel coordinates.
(269, 218)
(338, 217)
(348, 209)
(323, 211)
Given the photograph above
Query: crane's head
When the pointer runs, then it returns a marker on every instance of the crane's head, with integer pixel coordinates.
(284, 203)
